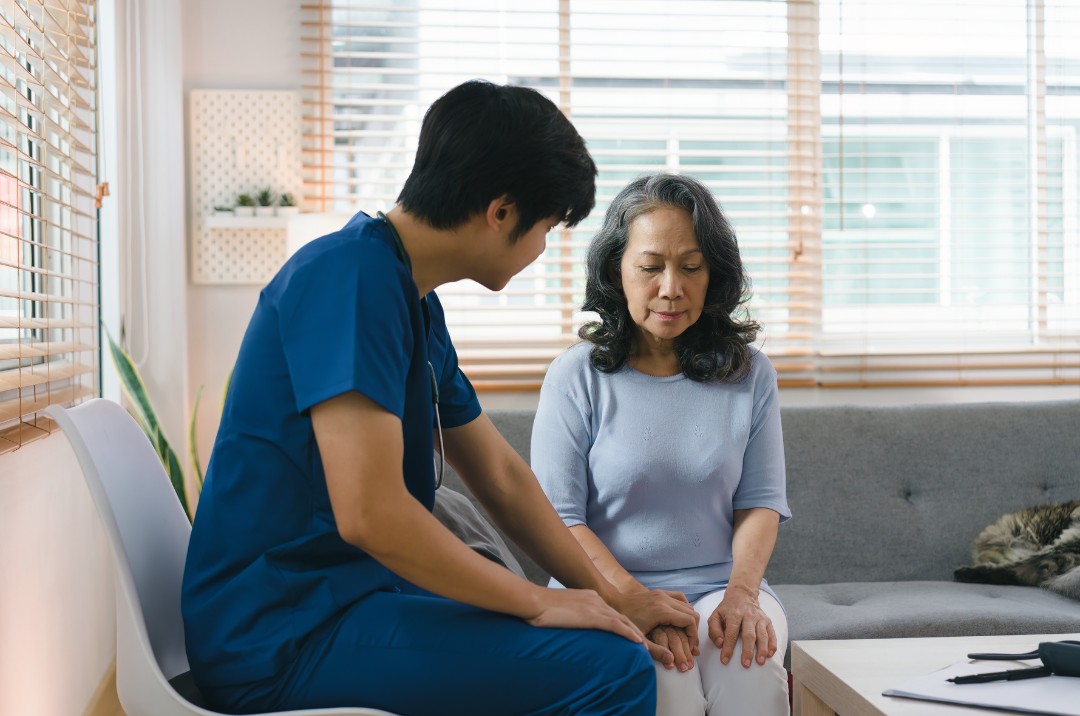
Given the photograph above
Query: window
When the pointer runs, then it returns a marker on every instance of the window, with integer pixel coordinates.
(903, 178)
(48, 244)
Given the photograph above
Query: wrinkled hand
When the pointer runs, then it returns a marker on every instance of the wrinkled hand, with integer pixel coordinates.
(740, 615)
(671, 647)
(582, 609)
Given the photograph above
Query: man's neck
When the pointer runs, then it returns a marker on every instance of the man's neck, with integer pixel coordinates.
(435, 254)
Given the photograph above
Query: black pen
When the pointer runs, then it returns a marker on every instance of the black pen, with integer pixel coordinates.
(1011, 675)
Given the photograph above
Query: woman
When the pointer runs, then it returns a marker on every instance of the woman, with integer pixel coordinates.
(658, 441)
(316, 575)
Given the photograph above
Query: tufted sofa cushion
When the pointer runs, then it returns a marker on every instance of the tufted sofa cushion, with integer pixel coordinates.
(879, 610)
(890, 493)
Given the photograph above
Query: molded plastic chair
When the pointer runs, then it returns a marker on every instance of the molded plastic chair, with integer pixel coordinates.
(148, 535)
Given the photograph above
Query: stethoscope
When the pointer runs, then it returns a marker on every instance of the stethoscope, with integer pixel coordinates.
(440, 463)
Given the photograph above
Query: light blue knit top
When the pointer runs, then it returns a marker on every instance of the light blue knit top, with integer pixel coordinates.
(655, 466)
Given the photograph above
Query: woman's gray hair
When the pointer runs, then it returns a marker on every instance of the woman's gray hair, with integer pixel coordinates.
(716, 346)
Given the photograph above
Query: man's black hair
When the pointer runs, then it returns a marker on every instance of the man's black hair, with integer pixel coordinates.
(480, 141)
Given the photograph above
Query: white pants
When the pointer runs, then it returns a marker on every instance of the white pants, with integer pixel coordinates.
(717, 690)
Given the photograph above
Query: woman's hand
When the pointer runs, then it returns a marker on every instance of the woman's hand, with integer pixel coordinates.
(581, 609)
(672, 648)
(739, 614)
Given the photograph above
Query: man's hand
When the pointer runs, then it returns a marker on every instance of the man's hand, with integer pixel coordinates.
(651, 608)
(581, 609)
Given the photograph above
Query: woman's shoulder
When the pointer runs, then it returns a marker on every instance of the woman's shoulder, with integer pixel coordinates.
(571, 365)
(760, 365)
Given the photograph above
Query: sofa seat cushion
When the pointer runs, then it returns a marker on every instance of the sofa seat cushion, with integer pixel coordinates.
(881, 610)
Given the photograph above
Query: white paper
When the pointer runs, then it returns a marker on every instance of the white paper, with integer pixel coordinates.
(1051, 695)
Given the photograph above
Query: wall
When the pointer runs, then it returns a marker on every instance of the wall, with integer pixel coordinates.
(241, 44)
(57, 619)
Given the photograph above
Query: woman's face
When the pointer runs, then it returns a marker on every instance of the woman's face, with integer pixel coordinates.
(664, 274)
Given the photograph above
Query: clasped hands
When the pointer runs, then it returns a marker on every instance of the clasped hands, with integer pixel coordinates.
(671, 626)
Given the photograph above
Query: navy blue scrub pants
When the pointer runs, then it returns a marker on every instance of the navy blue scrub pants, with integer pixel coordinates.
(422, 655)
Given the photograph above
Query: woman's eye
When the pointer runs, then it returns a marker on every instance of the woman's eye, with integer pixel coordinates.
(650, 269)
(692, 269)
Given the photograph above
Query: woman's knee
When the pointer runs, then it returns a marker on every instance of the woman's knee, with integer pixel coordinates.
(761, 689)
(679, 693)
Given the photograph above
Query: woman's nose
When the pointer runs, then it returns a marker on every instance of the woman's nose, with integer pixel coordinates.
(670, 286)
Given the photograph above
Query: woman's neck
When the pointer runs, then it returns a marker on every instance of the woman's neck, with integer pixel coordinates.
(653, 356)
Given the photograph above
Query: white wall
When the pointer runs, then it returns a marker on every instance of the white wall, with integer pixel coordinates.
(57, 619)
(240, 44)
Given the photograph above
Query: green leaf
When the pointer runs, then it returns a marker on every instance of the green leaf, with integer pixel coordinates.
(193, 440)
(133, 386)
(134, 390)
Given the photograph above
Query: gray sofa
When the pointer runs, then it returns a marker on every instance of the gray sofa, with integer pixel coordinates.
(886, 502)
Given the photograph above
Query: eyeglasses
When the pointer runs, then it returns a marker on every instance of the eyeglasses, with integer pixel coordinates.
(441, 461)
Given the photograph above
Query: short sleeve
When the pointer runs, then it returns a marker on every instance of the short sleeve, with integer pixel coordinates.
(345, 325)
(561, 440)
(458, 404)
(764, 476)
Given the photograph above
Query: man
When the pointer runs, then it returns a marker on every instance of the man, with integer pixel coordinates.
(316, 574)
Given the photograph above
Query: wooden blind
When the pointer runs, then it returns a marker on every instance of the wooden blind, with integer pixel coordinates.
(48, 230)
(902, 178)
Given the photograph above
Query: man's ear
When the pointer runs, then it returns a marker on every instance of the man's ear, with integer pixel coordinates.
(501, 213)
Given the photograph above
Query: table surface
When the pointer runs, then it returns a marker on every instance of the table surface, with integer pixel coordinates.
(848, 676)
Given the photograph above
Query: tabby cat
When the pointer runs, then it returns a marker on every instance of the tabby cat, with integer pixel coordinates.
(1039, 547)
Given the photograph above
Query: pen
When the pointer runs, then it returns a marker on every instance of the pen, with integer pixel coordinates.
(1011, 675)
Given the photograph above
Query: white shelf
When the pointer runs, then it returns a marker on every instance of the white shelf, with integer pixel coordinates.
(224, 221)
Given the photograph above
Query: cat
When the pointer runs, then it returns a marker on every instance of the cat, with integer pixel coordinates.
(1038, 547)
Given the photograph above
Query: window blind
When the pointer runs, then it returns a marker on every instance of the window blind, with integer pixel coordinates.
(902, 179)
(950, 192)
(48, 234)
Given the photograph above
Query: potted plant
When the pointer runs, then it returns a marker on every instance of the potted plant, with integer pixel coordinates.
(287, 205)
(140, 407)
(223, 211)
(265, 199)
(245, 205)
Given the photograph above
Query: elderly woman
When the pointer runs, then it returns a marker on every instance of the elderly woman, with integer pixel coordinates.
(658, 441)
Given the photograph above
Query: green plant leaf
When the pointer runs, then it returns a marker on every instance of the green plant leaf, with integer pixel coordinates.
(225, 390)
(193, 440)
(134, 387)
(134, 390)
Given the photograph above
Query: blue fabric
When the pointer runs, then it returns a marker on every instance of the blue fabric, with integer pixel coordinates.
(266, 567)
(656, 466)
(453, 659)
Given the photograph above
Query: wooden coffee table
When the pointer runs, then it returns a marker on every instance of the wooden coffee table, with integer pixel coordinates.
(846, 677)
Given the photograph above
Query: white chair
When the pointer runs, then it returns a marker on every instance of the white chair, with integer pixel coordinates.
(148, 535)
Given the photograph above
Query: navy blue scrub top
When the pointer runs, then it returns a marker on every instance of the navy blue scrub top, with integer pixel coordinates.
(266, 566)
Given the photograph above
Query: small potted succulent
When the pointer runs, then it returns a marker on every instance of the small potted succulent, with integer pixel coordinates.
(265, 203)
(287, 205)
(245, 205)
(224, 211)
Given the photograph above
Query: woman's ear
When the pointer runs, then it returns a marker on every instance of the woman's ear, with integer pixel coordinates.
(615, 274)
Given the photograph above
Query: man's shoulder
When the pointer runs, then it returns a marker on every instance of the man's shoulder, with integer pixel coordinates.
(361, 251)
